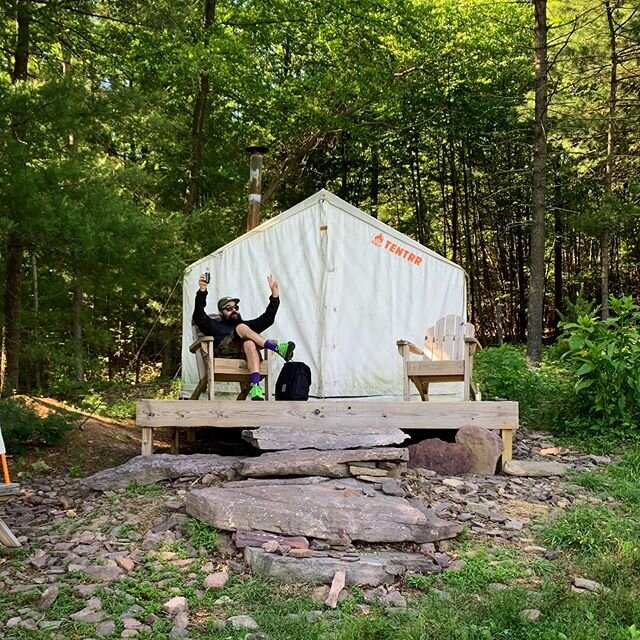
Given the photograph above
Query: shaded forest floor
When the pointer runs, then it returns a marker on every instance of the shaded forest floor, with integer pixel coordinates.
(95, 443)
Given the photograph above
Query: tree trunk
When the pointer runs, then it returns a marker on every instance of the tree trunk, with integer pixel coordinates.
(558, 243)
(499, 335)
(609, 166)
(445, 206)
(454, 200)
(9, 376)
(374, 191)
(344, 166)
(36, 323)
(470, 261)
(77, 331)
(168, 358)
(12, 305)
(192, 191)
(422, 223)
(536, 280)
(557, 268)
(522, 284)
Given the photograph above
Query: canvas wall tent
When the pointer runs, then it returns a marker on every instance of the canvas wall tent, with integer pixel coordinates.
(350, 286)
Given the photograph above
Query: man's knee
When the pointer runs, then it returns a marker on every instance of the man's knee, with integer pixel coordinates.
(242, 330)
(248, 346)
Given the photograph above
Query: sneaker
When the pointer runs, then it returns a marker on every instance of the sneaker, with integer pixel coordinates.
(256, 392)
(285, 349)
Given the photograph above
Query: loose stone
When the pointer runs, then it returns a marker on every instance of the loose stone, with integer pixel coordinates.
(243, 622)
(530, 614)
(216, 580)
(174, 606)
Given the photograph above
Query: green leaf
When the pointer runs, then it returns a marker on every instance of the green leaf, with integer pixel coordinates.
(582, 384)
(576, 342)
(587, 367)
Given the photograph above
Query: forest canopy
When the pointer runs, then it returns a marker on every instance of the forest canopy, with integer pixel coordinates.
(122, 156)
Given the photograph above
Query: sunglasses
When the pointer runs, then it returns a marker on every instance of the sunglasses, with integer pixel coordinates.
(234, 307)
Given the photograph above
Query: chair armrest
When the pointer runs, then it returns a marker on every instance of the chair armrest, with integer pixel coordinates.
(198, 343)
(474, 341)
(412, 347)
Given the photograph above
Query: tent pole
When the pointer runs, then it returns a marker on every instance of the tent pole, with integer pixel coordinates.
(255, 184)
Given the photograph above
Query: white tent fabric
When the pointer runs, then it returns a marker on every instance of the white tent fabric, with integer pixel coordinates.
(2, 449)
(350, 286)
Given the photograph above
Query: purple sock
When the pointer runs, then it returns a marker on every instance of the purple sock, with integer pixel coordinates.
(270, 344)
(255, 377)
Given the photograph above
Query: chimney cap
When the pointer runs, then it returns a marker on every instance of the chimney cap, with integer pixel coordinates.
(256, 148)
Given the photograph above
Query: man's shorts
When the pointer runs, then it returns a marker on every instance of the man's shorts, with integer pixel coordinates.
(229, 348)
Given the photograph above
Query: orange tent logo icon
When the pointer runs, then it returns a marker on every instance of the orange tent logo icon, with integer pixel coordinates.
(397, 249)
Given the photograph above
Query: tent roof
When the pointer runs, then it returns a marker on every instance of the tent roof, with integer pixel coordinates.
(339, 203)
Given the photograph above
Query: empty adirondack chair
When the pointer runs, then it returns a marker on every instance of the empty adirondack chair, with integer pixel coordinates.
(211, 370)
(447, 356)
(8, 490)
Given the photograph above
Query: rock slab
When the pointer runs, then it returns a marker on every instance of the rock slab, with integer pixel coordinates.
(533, 468)
(485, 447)
(325, 437)
(331, 464)
(325, 511)
(258, 538)
(163, 466)
(372, 569)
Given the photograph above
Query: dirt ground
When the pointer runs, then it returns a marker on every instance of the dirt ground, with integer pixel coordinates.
(95, 443)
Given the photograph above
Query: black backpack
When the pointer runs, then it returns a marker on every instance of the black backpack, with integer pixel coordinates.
(293, 382)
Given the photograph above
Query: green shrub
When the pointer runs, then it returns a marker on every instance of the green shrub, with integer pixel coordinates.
(606, 357)
(543, 393)
(23, 427)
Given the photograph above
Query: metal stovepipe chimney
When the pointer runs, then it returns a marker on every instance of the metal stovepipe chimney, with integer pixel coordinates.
(255, 184)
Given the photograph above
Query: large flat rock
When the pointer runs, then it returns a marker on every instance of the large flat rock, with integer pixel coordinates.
(327, 510)
(534, 468)
(332, 464)
(323, 437)
(372, 569)
(150, 469)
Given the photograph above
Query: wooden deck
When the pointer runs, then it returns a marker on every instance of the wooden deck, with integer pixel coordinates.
(194, 414)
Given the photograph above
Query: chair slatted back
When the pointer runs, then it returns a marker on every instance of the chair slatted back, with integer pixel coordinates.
(446, 339)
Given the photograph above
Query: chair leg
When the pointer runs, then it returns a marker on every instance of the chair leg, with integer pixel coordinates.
(406, 383)
(200, 389)
(244, 391)
(210, 374)
(423, 389)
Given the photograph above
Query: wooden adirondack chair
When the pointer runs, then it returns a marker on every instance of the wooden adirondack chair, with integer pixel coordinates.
(214, 369)
(8, 490)
(447, 356)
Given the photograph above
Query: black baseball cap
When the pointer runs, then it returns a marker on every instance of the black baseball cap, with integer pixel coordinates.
(223, 302)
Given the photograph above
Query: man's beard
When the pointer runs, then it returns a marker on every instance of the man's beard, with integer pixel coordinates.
(235, 317)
